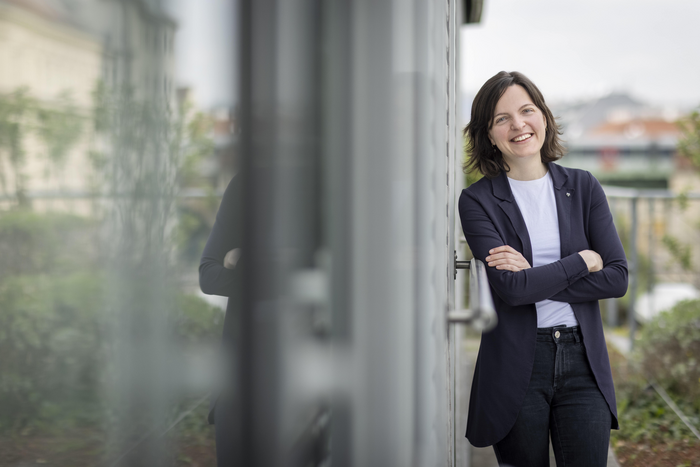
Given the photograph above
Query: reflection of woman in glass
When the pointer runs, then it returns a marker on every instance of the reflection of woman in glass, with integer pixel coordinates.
(548, 237)
(218, 275)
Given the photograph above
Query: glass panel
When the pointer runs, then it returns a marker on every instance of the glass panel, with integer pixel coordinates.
(117, 138)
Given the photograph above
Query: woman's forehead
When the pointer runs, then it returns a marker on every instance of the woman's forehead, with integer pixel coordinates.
(514, 95)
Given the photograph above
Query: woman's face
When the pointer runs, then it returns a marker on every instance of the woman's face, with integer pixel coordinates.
(518, 127)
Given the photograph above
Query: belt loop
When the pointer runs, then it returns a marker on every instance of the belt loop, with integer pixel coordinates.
(576, 336)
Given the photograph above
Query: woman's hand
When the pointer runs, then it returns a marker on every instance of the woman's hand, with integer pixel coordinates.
(231, 258)
(507, 258)
(592, 259)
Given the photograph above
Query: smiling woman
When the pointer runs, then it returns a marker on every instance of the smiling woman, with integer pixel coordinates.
(503, 98)
(547, 235)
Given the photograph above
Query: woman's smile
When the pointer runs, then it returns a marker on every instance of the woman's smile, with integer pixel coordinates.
(521, 138)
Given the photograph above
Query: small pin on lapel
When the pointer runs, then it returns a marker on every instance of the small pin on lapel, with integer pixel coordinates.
(568, 194)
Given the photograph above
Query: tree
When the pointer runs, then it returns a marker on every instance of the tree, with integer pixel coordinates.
(57, 125)
(689, 143)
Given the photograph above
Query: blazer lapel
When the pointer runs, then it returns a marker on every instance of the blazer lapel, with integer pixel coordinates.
(564, 196)
(502, 191)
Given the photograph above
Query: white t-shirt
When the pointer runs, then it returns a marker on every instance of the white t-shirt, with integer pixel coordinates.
(535, 198)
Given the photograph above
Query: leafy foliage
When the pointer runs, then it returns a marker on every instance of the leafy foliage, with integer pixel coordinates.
(14, 111)
(680, 252)
(54, 331)
(473, 175)
(689, 143)
(47, 243)
(646, 417)
(146, 152)
(58, 125)
(50, 342)
(668, 352)
(58, 332)
(194, 142)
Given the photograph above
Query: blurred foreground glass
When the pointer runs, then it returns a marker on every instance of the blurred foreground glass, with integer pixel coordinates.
(112, 176)
(109, 176)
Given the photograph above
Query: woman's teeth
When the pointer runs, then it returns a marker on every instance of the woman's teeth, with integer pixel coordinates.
(522, 138)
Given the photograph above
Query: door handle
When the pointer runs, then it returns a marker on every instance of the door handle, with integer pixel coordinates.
(460, 264)
(481, 313)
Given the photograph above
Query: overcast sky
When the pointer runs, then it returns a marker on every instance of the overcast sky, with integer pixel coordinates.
(204, 44)
(570, 49)
(579, 49)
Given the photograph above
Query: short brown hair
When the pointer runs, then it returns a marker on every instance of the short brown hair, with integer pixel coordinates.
(480, 152)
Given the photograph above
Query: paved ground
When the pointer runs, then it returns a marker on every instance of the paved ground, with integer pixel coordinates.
(467, 455)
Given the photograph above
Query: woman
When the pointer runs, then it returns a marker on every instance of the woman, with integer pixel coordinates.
(218, 275)
(548, 238)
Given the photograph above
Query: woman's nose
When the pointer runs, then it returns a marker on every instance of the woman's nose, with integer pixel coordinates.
(517, 123)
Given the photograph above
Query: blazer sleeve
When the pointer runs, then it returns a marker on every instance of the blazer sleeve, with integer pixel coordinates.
(214, 278)
(514, 288)
(611, 281)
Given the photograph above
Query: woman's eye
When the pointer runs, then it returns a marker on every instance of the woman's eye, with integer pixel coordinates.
(529, 110)
(500, 119)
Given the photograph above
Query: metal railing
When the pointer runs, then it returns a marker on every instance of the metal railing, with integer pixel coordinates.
(618, 197)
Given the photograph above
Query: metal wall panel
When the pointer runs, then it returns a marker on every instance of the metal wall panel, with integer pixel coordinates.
(349, 146)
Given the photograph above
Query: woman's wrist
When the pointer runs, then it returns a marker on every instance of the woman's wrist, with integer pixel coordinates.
(593, 260)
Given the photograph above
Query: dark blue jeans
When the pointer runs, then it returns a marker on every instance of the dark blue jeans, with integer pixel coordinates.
(563, 401)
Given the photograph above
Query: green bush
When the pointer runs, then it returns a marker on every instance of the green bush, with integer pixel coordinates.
(197, 321)
(50, 342)
(645, 417)
(53, 342)
(33, 243)
(670, 350)
(55, 326)
(667, 351)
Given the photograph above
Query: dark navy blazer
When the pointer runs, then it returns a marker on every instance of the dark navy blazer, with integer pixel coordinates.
(490, 218)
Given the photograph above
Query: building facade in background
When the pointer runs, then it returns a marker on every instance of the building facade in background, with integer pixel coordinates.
(622, 141)
(51, 67)
(66, 64)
